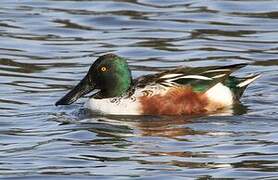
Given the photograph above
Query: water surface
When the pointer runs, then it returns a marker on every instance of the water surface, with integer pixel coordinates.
(46, 47)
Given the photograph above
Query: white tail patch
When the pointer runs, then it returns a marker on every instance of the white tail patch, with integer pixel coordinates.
(221, 95)
(248, 81)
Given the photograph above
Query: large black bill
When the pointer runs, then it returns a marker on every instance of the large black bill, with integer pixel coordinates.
(83, 87)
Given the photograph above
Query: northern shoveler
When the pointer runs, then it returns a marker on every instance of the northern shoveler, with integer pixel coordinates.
(185, 90)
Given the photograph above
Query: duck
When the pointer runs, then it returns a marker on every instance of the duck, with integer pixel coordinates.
(179, 91)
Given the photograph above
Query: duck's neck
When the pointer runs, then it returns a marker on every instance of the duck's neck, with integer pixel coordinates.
(117, 85)
(117, 88)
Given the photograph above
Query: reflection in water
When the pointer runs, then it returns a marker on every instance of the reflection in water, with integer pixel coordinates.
(47, 46)
(170, 127)
(172, 141)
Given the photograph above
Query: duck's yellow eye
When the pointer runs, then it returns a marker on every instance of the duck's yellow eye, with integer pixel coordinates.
(103, 69)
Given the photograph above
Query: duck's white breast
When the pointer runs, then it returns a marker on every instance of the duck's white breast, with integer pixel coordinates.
(221, 95)
(125, 105)
(117, 106)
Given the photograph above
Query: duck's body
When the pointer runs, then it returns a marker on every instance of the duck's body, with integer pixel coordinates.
(180, 91)
(172, 101)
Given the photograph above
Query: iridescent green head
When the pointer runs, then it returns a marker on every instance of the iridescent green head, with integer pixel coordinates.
(109, 73)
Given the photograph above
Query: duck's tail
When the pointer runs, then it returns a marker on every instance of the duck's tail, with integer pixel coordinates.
(238, 85)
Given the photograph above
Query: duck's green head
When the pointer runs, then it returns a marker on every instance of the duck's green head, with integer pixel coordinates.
(109, 74)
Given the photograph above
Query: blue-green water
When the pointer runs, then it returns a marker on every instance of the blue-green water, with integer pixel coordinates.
(46, 47)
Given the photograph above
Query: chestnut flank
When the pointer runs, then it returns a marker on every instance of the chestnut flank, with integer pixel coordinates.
(178, 101)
